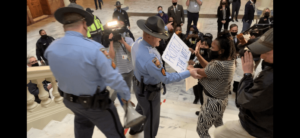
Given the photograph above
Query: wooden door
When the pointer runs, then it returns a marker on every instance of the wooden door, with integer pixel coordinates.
(35, 8)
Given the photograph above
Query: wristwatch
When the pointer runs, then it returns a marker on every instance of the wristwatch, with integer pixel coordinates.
(248, 75)
(110, 39)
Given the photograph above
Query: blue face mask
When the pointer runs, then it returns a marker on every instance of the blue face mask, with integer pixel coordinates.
(159, 11)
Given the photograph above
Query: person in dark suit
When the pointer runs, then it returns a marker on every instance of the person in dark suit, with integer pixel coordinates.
(41, 46)
(223, 13)
(119, 12)
(233, 29)
(176, 11)
(265, 17)
(249, 14)
(236, 4)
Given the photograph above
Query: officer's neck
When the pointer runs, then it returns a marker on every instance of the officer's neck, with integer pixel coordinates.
(79, 30)
(149, 42)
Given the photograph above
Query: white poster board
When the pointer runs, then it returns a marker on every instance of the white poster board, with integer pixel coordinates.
(177, 54)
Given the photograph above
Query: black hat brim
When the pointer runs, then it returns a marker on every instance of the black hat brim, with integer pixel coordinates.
(141, 24)
(61, 11)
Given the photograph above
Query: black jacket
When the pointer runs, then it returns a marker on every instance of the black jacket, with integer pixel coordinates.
(255, 101)
(264, 20)
(249, 12)
(41, 46)
(34, 90)
(220, 13)
(124, 14)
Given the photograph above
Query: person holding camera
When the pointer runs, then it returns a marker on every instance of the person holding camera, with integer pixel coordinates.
(119, 52)
(216, 76)
(83, 73)
(255, 96)
(223, 13)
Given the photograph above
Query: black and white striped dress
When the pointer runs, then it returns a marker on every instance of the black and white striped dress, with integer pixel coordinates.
(217, 85)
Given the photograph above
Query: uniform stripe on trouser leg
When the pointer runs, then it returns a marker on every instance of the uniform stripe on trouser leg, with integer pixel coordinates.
(211, 113)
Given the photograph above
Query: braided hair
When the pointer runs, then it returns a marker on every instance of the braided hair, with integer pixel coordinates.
(226, 43)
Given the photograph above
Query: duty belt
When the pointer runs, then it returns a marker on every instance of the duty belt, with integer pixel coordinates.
(148, 87)
(88, 101)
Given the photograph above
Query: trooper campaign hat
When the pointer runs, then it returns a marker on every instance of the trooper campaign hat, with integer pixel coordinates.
(154, 26)
(118, 3)
(89, 10)
(263, 44)
(73, 8)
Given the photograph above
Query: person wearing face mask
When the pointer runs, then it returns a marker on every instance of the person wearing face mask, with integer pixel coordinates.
(223, 13)
(254, 96)
(248, 15)
(162, 15)
(41, 46)
(265, 17)
(83, 73)
(120, 12)
(216, 76)
(176, 11)
(204, 52)
(32, 87)
(149, 74)
(191, 38)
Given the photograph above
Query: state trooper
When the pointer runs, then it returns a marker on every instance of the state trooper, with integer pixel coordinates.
(83, 72)
(149, 74)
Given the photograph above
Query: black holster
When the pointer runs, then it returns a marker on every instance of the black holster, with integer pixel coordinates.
(153, 91)
(101, 100)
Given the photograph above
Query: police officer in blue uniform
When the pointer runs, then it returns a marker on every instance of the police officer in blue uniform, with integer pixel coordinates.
(83, 72)
(149, 74)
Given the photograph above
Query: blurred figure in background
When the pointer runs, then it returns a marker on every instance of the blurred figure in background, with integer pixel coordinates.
(162, 15)
(193, 12)
(265, 17)
(95, 30)
(176, 11)
(236, 4)
(99, 4)
(32, 87)
(249, 14)
(120, 12)
(41, 46)
(223, 13)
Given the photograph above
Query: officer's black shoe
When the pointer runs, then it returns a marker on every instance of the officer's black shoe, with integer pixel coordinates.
(131, 132)
(197, 113)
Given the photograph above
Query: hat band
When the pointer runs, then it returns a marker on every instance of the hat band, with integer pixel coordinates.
(151, 30)
(70, 22)
(269, 45)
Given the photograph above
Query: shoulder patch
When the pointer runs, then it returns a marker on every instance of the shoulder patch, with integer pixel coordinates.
(156, 62)
(113, 64)
(163, 71)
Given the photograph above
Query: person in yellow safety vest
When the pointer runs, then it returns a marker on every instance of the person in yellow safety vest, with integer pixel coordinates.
(95, 30)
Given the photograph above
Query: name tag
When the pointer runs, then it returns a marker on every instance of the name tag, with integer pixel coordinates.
(124, 57)
(195, 5)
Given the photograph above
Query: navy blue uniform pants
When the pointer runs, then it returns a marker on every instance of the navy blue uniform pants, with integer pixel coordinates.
(99, 3)
(150, 109)
(86, 119)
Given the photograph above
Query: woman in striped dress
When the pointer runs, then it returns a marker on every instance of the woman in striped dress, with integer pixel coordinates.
(216, 78)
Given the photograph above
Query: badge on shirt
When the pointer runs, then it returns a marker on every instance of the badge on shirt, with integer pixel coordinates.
(124, 57)
(195, 5)
(45, 43)
(156, 62)
(163, 71)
